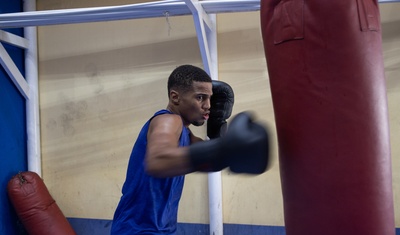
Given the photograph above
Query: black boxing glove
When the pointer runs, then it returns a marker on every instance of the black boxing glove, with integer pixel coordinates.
(244, 148)
(221, 109)
(253, 155)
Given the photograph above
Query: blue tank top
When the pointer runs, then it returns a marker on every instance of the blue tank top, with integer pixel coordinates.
(148, 205)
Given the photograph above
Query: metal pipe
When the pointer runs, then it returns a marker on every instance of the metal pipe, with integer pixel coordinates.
(32, 103)
(133, 11)
(214, 179)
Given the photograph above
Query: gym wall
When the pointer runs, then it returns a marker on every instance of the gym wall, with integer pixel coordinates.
(99, 83)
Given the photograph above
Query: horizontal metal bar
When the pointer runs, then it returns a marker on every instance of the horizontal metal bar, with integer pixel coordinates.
(133, 11)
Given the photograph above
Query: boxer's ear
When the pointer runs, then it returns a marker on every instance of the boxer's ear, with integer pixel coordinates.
(174, 96)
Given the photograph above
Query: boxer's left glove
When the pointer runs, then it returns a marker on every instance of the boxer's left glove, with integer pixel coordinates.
(244, 148)
(221, 109)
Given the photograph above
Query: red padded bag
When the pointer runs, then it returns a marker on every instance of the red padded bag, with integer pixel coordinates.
(35, 207)
(328, 88)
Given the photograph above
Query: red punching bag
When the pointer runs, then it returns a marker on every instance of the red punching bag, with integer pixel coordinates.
(35, 207)
(328, 89)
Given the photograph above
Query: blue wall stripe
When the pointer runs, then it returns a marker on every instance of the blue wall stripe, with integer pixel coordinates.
(12, 128)
(253, 229)
(102, 227)
(90, 226)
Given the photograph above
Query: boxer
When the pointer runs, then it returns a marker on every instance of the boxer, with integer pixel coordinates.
(166, 150)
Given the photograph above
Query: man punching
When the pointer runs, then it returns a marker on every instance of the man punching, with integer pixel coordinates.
(166, 150)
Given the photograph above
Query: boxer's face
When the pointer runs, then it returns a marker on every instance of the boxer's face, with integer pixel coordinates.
(194, 104)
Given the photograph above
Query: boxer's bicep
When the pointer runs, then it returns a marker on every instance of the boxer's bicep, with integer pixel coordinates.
(164, 157)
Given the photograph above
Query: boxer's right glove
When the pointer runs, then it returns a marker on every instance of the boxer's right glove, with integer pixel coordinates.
(244, 148)
(221, 109)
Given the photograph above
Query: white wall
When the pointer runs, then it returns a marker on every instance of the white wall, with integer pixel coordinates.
(390, 19)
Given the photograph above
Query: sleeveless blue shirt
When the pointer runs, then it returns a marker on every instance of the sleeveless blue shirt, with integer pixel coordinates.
(148, 205)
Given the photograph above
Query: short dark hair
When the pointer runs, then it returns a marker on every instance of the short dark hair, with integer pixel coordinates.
(183, 76)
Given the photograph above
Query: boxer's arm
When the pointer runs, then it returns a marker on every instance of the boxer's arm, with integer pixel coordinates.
(244, 148)
(164, 157)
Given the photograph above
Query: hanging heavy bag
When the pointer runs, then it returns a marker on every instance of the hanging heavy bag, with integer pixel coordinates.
(326, 72)
(35, 207)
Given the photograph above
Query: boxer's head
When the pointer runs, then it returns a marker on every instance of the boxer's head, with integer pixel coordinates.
(189, 92)
(183, 77)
